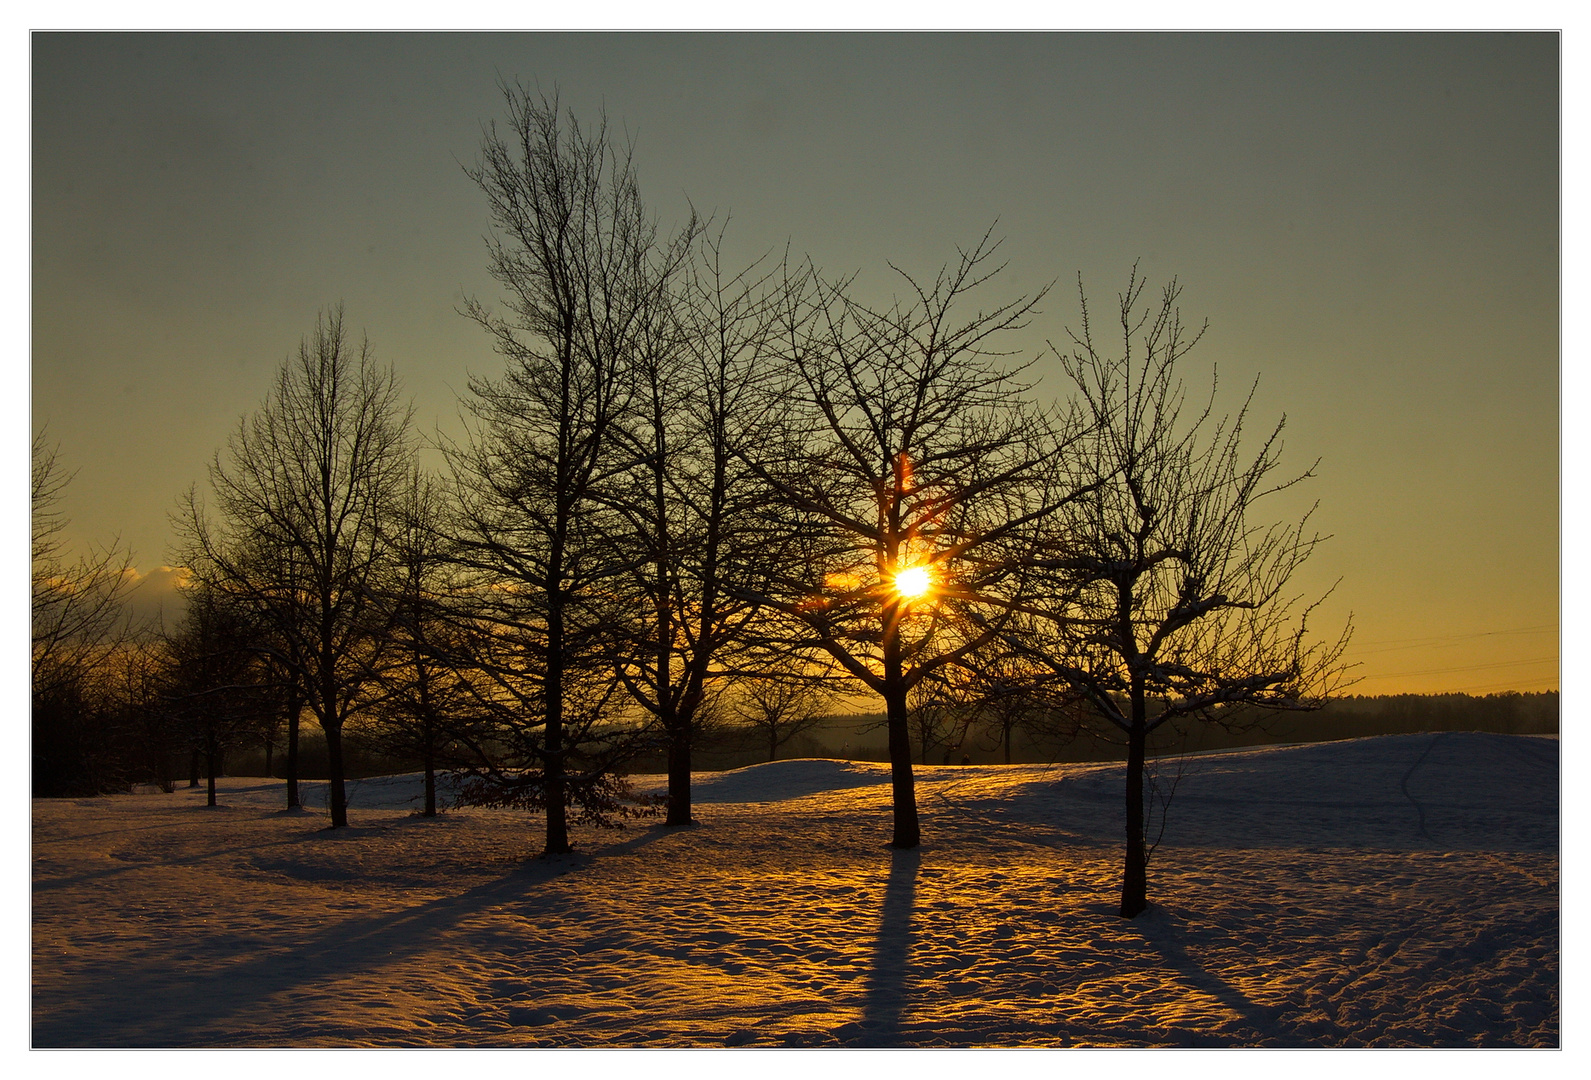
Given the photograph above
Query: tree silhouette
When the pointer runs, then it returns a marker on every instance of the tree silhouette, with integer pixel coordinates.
(214, 680)
(779, 705)
(77, 622)
(584, 282)
(910, 484)
(303, 497)
(1170, 599)
(427, 699)
(1010, 693)
(682, 504)
(939, 714)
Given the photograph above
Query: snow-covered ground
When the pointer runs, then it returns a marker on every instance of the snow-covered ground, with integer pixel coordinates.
(1396, 891)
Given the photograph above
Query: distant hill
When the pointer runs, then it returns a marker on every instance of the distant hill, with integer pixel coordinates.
(860, 736)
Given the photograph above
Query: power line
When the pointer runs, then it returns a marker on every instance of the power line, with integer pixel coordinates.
(1400, 644)
(1509, 685)
(1463, 667)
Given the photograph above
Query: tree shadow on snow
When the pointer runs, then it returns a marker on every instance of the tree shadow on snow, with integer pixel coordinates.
(885, 993)
(164, 860)
(168, 1004)
(635, 843)
(1167, 934)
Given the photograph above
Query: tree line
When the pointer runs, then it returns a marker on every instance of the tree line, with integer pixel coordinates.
(698, 491)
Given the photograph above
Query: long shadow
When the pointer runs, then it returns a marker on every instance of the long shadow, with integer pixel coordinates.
(885, 993)
(75, 837)
(103, 873)
(119, 1005)
(636, 843)
(1165, 934)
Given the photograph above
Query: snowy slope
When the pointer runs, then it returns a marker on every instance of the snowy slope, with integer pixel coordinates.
(1393, 891)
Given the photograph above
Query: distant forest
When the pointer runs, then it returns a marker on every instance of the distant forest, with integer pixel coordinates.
(863, 736)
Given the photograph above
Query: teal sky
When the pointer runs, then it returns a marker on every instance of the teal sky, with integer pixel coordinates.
(1371, 222)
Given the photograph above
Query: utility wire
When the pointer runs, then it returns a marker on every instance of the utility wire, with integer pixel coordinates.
(1462, 667)
(1400, 644)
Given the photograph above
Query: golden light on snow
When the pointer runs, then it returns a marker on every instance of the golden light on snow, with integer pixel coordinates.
(913, 581)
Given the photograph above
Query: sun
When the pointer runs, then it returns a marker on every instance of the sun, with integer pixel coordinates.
(913, 581)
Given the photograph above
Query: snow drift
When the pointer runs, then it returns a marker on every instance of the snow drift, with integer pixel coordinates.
(1394, 891)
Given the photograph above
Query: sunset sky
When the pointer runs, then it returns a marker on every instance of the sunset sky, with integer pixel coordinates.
(1369, 222)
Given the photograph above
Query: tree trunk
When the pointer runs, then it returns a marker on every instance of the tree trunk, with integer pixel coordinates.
(210, 768)
(679, 775)
(1134, 881)
(331, 720)
(557, 799)
(428, 731)
(337, 795)
(193, 767)
(907, 833)
(292, 754)
(553, 757)
(554, 789)
(773, 744)
(162, 770)
(430, 770)
(270, 745)
(903, 792)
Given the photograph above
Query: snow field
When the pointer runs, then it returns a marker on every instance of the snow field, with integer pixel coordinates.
(1399, 891)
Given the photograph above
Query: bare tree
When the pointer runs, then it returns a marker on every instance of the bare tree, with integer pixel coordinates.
(77, 622)
(1009, 695)
(303, 497)
(427, 698)
(281, 651)
(76, 605)
(683, 504)
(938, 714)
(214, 679)
(914, 483)
(583, 277)
(1173, 599)
(781, 705)
(157, 740)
